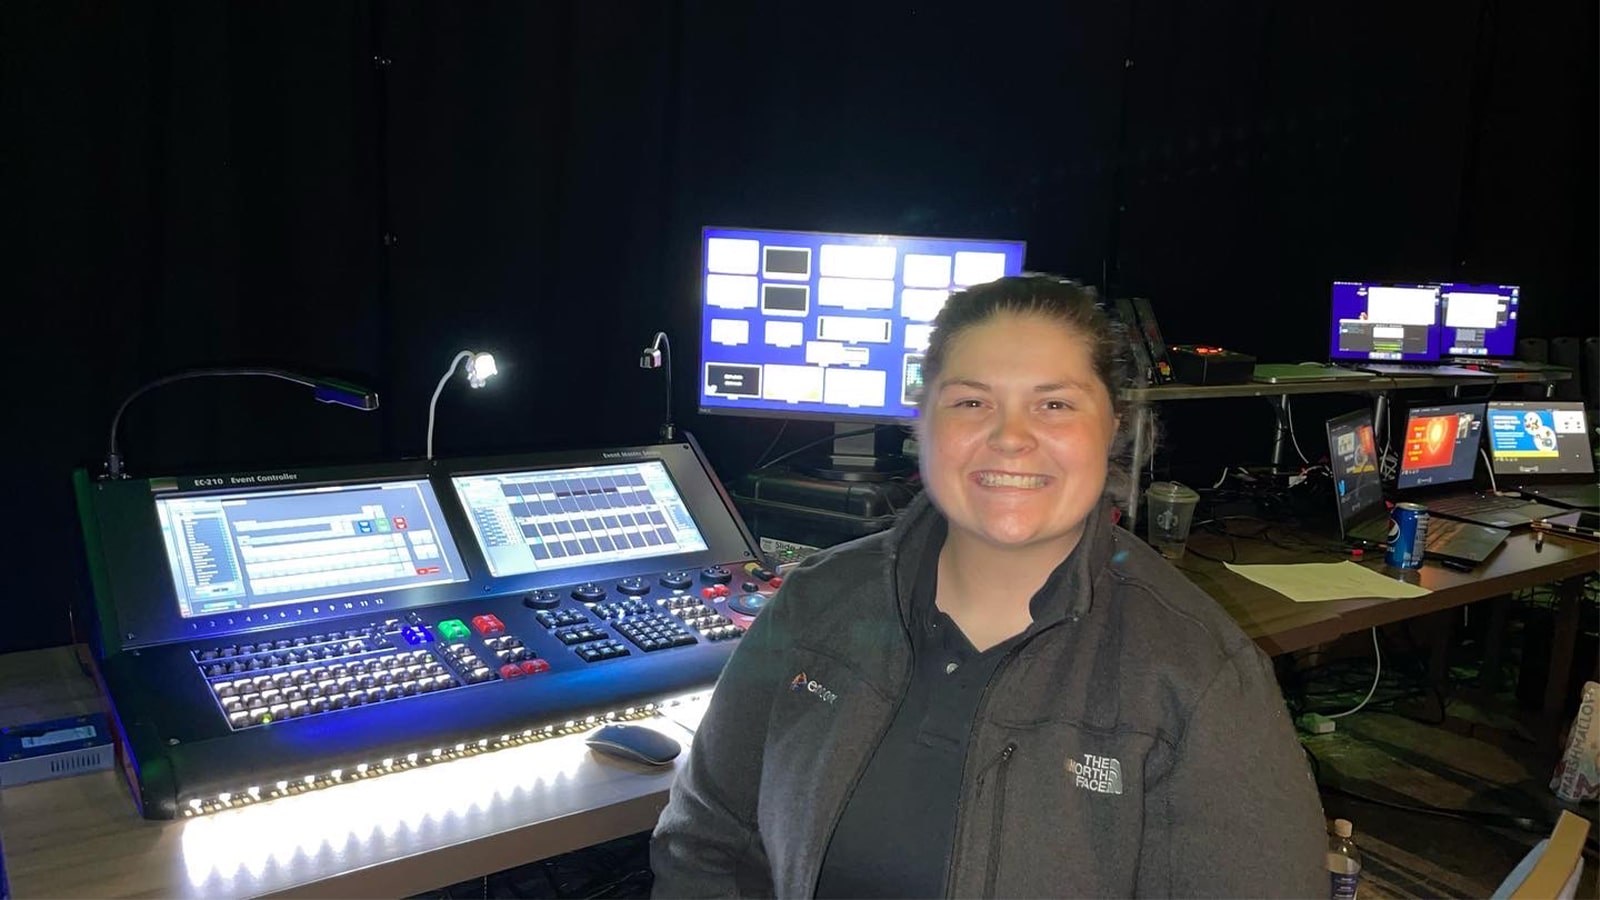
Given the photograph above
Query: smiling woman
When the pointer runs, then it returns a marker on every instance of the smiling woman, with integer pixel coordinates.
(1027, 700)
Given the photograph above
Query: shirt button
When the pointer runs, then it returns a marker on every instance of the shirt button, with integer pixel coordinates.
(950, 668)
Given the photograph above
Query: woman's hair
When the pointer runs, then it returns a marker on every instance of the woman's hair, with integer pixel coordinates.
(1077, 307)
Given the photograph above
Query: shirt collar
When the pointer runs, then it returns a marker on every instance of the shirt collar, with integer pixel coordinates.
(1067, 593)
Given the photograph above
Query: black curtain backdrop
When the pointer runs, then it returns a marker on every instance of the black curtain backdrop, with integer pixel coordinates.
(361, 189)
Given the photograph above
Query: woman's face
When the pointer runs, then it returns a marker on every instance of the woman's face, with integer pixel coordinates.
(1016, 434)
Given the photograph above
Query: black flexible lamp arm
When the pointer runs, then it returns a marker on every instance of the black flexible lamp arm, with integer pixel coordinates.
(327, 390)
(659, 356)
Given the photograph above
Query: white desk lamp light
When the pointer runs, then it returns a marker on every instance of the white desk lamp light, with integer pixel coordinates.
(480, 368)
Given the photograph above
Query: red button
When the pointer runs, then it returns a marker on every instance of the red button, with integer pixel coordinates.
(488, 624)
(510, 670)
(775, 581)
(709, 593)
(722, 590)
(534, 666)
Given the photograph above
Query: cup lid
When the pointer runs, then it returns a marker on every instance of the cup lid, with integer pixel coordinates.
(1172, 490)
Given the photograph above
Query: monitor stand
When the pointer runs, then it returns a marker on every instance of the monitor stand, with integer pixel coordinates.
(874, 456)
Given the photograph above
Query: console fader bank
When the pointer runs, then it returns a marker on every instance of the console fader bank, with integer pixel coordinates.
(269, 633)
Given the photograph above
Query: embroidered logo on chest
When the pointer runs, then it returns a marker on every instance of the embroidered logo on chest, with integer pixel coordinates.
(1101, 774)
(801, 683)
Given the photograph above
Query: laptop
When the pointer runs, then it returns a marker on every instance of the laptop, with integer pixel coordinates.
(1363, 515)
(1477, 322)
(1438, 457)
(1290, 373)
(1541, 449)
(1478, 327)
(1389, 329)
(1357, 485)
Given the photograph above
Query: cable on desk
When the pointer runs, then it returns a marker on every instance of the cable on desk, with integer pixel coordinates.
(1489, 467)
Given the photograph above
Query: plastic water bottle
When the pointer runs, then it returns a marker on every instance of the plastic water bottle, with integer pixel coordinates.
(1344, 862)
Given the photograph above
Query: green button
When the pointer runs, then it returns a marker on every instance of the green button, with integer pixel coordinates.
(454, 629)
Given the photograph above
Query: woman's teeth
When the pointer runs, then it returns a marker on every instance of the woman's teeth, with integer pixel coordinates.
(997, 479)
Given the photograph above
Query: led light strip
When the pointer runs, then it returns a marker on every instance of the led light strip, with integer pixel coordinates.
(200, 806)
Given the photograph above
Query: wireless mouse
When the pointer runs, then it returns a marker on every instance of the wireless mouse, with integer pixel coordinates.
(634, 742)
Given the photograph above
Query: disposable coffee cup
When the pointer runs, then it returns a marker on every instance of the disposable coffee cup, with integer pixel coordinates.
(1171, 510)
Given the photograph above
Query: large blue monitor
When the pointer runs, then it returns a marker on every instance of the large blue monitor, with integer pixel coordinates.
(813, 325)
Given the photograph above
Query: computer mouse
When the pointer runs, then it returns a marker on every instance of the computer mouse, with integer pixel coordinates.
(634, 742)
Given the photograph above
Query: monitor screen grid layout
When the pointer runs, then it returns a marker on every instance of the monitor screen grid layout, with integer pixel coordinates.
(556, 519)
(270, 548)
(829, 325)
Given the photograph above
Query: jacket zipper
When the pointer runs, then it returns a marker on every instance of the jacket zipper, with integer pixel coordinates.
(972, 735)
(855, 780)
(993, 870)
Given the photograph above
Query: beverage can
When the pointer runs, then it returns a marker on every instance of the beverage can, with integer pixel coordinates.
(1408, 533)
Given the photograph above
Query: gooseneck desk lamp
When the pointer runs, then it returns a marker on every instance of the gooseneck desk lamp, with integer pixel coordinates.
(480, 368)
(326, 390)
(659, 356)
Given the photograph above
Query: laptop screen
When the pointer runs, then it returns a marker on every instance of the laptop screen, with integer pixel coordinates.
(1539, 437)
(1353, 461)
(1478, 319)
(1440, 445)
(1384, 322)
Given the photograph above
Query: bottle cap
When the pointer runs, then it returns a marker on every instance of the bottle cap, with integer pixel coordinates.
(1342, 827)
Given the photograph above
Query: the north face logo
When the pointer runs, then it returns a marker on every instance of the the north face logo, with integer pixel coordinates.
(802, 683)
(1101, 774)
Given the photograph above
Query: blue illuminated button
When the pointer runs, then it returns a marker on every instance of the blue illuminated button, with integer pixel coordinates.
(416, 634)
(748, 604)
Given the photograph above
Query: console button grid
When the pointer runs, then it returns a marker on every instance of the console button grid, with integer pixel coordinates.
(654, 631)
(696, 614)
(302, 690)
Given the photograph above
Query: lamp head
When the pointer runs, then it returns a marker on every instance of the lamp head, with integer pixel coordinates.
(343, 393)
(651, 356)
(480, 368)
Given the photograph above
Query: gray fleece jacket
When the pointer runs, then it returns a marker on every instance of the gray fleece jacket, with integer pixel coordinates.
(1133, 742)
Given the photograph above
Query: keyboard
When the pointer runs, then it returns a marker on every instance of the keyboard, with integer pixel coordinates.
(1473, 504)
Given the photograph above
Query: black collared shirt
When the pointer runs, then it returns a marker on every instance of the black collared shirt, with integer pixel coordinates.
(895, 836)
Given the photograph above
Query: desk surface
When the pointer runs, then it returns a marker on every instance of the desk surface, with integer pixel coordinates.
(1280, 625)
(391, 836)
(411, 831)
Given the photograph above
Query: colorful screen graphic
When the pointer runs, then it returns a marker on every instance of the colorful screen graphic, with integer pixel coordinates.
(1440, 445)
(1539, 438)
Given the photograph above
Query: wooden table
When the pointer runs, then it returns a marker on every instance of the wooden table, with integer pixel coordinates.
(400, 834)
(412, 831)
(1280, 625)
